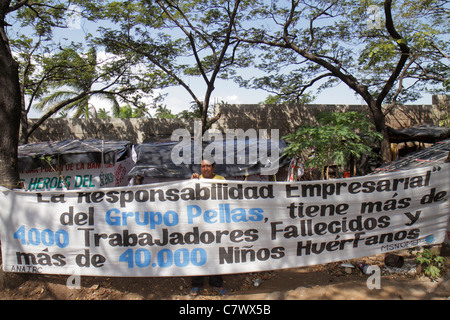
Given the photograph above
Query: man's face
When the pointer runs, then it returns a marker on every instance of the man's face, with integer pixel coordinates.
(207, 169)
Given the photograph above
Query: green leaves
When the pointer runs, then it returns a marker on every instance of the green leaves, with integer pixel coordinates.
(351, 40)
(336, 138)
(432, 263)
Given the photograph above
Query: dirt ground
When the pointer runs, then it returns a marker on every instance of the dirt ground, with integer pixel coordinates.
(324, 282)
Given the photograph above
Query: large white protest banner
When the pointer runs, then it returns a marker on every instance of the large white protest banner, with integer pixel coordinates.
(201, 227)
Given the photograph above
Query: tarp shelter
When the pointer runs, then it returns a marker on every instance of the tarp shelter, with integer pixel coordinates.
(154, 161)
(76, 164)
(426, 133)
(431, 156)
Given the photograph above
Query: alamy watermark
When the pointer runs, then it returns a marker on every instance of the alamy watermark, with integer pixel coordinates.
(74, 18)
(74, 280)
(191, 149)
(374, 17)
(374, 280)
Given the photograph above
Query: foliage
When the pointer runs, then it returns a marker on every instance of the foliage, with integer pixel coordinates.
(312, 45)
(162, 112)
(72, 74)
(59, 75)
(180, 40)
(337, 137)
(286, 99)
(127, 112)
(431, 261)
(298, 49)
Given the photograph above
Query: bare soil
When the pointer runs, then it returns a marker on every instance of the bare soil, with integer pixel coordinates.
(324, 282)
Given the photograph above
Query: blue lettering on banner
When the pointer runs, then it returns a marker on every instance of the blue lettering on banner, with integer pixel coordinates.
(115, 217)
(224, 214)
(45, 237)
(165, 258)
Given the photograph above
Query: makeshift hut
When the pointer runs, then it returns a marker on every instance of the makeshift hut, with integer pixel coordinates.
(238, 159)
(424, 133)
(74, 164)
(435, 155)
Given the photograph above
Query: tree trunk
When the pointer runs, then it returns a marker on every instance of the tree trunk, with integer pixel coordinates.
(23, 132)
(10, 110)
(380, 126)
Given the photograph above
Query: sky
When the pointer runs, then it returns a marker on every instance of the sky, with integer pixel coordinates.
(178, 99)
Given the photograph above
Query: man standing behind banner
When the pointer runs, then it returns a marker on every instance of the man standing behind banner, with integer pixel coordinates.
(207, 172)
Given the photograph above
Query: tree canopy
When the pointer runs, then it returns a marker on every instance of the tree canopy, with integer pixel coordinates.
(387, 52)
(377, 45)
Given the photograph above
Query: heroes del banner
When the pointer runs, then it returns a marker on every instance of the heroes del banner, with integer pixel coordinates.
(204, 227)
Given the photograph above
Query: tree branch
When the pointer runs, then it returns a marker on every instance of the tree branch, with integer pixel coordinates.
(17, 6)
(55, 109)
(403, 48)
(399, 89)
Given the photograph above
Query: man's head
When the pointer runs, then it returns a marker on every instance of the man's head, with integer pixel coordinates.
(207, 169)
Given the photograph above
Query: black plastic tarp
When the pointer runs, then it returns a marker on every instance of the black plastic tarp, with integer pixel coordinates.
(426, 133)
(155, 159)
(31, 156)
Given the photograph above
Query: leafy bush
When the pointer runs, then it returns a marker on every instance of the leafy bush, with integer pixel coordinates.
(432, 263)
(336, 138)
